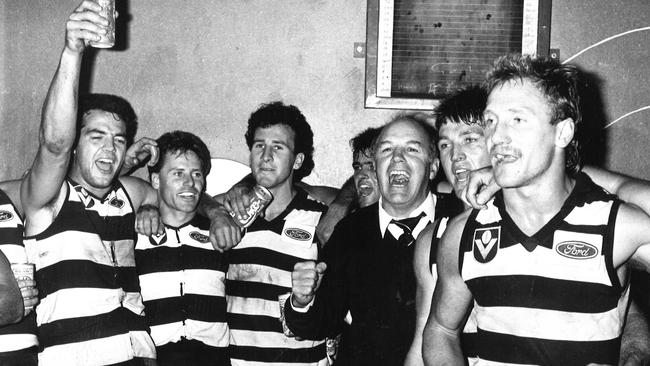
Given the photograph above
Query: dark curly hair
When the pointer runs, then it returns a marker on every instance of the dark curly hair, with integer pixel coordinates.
(180, 142)
(118, 106)
(559, 83)
(277, 113)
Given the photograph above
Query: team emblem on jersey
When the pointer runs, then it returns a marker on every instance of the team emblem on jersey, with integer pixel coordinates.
(85, 197)
(5, 215)
(486, 243)
(116, 202)
(201, 238)
(156, 240)
(297, 234)
(576, 250)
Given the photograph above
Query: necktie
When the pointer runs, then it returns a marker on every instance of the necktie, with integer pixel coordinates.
(407, 225)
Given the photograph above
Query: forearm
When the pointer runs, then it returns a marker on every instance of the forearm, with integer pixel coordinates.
(59, 115)
(441, 347)
(313, 324)
(11, 300)
(209, 207)
(635, 342)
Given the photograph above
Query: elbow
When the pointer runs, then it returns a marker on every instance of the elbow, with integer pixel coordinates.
(56, 145)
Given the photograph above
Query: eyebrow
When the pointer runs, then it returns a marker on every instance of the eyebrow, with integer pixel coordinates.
(103, 132)
(272, 141)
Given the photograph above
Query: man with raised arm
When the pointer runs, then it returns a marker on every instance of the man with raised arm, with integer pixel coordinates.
(546, 263)
(80, 218)
(367, 268)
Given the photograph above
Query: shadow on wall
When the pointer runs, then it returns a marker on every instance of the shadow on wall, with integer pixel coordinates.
(592, 135)
(121, 44)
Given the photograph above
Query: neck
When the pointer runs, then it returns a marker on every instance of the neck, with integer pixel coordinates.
(533, 205)
(96, 191)
(174, 217)
(282, 196)
(398, 211)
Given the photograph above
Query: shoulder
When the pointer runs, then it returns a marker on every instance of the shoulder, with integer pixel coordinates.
(323, 194)
(138, 189)
(304, 201)
(423, 243)
(200, 222)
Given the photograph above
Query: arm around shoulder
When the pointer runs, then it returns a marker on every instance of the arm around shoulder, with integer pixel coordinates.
(425, 278)
(11, 301)
(451, 301)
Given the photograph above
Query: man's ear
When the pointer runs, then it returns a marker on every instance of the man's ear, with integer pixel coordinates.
(435, 165)
(564, 131)
(297, 163)
(155, 180)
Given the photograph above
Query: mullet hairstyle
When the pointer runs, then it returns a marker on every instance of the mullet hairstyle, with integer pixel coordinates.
(559, 83)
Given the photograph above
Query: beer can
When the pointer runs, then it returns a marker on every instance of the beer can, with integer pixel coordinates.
(108, 11)
(23, 271)
(259, 201)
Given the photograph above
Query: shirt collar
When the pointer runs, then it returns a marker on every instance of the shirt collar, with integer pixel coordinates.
(427, 206)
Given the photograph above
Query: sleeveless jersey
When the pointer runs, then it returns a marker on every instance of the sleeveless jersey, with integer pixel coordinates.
(259, 273)
(551, 298)
(182, 280)
(21, 335)
(90, 310)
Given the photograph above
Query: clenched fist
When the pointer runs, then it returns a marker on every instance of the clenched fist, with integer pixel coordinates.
(305, 280)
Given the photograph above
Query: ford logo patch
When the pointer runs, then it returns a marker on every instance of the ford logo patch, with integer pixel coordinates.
(297, 234)
(576, 250)
(199, 237)
(6, 216)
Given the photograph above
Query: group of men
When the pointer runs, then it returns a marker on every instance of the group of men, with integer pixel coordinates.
(536, 275)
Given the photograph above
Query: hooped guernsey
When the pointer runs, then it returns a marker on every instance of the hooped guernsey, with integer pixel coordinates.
(183, 285)
(22, 335)
(259, 274)
(90, 310)
(553, 298)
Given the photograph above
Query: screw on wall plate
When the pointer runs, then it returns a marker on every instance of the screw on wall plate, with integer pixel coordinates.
(359, 49)
(554, 53)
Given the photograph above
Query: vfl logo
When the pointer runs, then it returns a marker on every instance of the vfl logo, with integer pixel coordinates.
(199, 237)
(297, 234)
(156, 240)
(5, 215)
(486, 243)
(576, 250)
(116, 202)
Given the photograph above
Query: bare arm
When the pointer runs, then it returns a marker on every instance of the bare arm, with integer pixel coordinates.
(323, 194)
(451, 301)
(631, 239)
(635, 342)
(632, 190)
(57, 131)
(12, 189)
(425, 284)
(339, 208)
(11, 300)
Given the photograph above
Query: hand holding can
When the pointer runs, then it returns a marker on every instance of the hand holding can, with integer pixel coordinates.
(260, 199)
(108, 11)
(24, 274)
